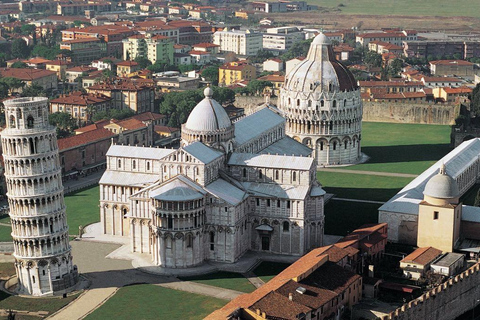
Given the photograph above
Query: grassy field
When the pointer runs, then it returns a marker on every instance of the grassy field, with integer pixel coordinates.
(82, 208)
(361, 186)
(145, 302)
(227, 280)
(402, 148)
(50, 305)
(442, 8)
(267, 270)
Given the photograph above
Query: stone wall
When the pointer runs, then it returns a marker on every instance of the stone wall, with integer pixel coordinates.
(445, 302)
(426, 113)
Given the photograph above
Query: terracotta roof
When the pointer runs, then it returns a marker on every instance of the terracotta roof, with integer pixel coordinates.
(127, 63)
(206, 45)
(450, 62)
(81, 99)
(130, 124)
(390, 84)
(93, 126)
(382, 35)
(120, 85)
(273, 78)
(199, 52)
(84, 138)
(422, 255)
(166, 129)
(441, 79)
(240, 66)
(82, 69)
(81, 40)
(457, 90)
(58, 63)
(146, 116)
(26, 74)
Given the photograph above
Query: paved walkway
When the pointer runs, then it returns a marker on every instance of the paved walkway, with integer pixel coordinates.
(252, 277)
(372, 173)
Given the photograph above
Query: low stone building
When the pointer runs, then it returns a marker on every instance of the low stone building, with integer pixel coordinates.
(418, 262)
(38, 77)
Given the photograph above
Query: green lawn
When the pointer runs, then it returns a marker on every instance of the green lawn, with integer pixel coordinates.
(342, 217)
(145, 301)
(7, 269)
(82, 208)
(227, 280)
(442, 8)
(469, 197)
(267, 270)
(50, 305)
(5, 219)
(361, 186)
(5, 234)
(402, 148)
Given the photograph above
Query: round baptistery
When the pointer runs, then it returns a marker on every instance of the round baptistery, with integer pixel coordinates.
(43, 259)
(322, 106)
(209, 123)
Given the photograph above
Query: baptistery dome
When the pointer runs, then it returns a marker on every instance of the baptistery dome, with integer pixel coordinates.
(209, 123)
(442, 186)
(321, 102)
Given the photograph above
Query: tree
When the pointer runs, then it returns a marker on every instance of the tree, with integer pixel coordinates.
(143, 62)
(33, 91)
(257, 86)
(373, 59)
(27, 29)
(112, 114)
(19, 64)
(20, 49)
(178, 105)
(298, 49)
(223, 95)
(44, 51)
(12, 83)
(262, 55)
(211, 74)
(64, 122)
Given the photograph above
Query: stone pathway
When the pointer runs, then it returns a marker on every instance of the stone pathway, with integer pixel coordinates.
(252, 277)
(372, 173)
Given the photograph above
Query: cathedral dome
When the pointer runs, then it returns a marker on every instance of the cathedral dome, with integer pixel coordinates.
(320, 70)
(442, 186)
(208, 115)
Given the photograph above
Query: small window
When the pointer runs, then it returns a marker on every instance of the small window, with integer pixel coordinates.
(288, 204)
(226, 209)
(435, 215)
(189, 241)
(258, 202)
(134, 164)
(294, 176)
(119, 163)
(286, 226)
(268, 202)
(278, 203)
(260, 174)
(276, 174)
(148, 165)
(244, 172)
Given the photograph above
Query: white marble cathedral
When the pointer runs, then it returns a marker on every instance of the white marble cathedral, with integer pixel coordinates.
(43, 260)
(229, 188)
(321, 102)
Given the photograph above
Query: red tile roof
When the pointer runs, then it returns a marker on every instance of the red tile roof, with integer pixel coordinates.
(26, 74)
(84, 138)
(81, 99)
(452, 62)
(422, 255)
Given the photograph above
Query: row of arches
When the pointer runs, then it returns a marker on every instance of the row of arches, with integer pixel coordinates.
(24, 186)
(41, 248)
(37, 205)
(301, 104)
(184, 221)
(31, 167)
(295, 126)
(38, 227)
(29, 146)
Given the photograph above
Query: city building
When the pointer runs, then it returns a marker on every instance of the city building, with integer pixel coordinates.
(43, 78)
(126, 94)
(81, 106)
(323, 107)
(434, 195)
(233, 72)
(124, 68)
(59, 67)
(316, 286)
(43, 259)
(281, 39)
(85, 50)
(417, 263)
(241, 42)
(452, 67)
(274, 64)
(189, 205)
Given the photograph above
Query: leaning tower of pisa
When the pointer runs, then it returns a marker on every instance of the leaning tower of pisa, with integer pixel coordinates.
(43, 260)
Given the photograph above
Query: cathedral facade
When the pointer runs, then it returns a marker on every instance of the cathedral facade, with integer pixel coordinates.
(322, 105)
(229, 188)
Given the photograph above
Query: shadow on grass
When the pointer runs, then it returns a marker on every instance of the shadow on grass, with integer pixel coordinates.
(372, 194)
(267, 269)
(408, 153)
(222, 279)
(342, 217)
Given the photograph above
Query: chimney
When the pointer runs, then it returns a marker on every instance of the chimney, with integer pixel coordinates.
(290, 296)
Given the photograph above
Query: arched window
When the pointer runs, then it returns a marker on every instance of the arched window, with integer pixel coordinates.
(334, 146)
(260, 174)
(322, 103)
(298, 102)
(334, 103)
(345, 144)
(134, 164)
(330, 87)
(244, 172)
(345, 102)
(29, 122)
(119, 163)
(170, 222)
(321, 146)
(12, 121)
(286, 226)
